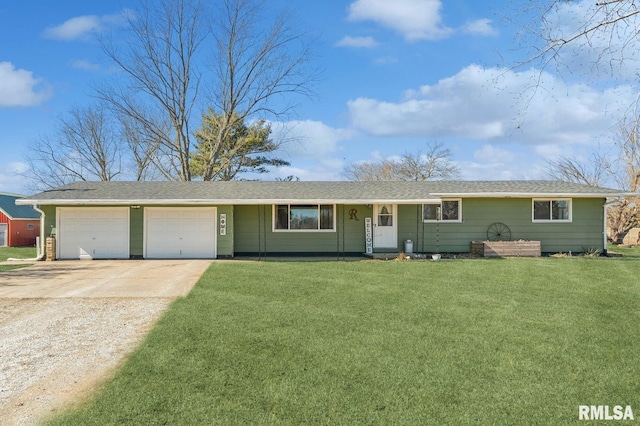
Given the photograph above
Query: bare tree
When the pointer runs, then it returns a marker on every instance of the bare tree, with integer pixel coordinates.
(568, 169)
(605, 29)
(161, 84)
(144, 151)
(258, 70)
(434, 164)
(620, 168)
(179, 56)
(85, 146)
(625, 171)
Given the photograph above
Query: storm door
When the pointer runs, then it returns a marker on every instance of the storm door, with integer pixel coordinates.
(385, 230)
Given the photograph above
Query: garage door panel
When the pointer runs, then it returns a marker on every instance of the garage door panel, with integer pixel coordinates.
(93, 232)
(180, 232)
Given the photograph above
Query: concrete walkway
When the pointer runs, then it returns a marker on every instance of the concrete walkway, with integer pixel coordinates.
(102, 278)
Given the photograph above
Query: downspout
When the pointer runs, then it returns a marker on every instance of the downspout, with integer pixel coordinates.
(39, 256)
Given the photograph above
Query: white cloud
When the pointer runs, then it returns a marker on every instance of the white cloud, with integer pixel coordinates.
(11, 179)
(358, 42)
(553, 151)
(82, 27)
(496, 104)
(489, 154)
(75, 28)
(82, 64)
(481, 27)
(490, 162)
(19, 87)
(414, 19)
(310, 139)
(312, 147)
(321, 170)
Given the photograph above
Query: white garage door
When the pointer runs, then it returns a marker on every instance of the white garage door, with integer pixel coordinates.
(180, 232)
(93, 232)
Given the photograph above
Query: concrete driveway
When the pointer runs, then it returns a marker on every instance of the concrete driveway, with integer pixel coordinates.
(103, 278)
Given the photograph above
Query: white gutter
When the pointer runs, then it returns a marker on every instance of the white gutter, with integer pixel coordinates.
(533, 195)
(199, 201)
(604, 227)
(39, 256)
(434, 197)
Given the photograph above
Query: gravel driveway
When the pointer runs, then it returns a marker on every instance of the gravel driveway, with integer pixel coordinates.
(66, 326)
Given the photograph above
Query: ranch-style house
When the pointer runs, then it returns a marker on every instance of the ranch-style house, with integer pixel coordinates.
(122, 220)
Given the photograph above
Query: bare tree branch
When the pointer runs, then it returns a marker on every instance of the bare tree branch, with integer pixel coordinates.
(258, 70)
(85, 146)
(158, 62)
(435, 164)
(621, 168)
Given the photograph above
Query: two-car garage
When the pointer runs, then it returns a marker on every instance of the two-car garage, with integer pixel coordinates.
(104, 232)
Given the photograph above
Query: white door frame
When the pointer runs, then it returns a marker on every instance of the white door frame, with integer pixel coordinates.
(385, 236)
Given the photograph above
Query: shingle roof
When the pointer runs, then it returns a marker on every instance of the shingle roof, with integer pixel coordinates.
(8, 206)
(255, 192)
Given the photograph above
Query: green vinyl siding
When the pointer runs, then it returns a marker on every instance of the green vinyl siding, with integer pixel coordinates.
(250, 228)
(136, 232)
(49, 220)
(136, 228)
(584, 232)
(254, 232)
(409, 225)
(224, 242)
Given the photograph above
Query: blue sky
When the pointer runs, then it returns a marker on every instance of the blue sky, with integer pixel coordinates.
(395, 76)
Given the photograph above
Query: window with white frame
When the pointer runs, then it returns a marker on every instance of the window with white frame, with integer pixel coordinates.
(443, 211)
(303, 217)
(552, 210)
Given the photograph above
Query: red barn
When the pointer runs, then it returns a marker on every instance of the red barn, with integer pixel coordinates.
(19, 225)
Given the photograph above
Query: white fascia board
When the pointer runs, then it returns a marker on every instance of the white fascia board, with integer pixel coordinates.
(534, 195)
(195, 202)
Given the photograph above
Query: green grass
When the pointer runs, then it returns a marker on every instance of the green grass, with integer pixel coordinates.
(627, 252)
(17, 253)
(511, 341)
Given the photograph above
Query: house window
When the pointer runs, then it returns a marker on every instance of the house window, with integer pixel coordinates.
(304, 217)
(552, 210)
(445, 211)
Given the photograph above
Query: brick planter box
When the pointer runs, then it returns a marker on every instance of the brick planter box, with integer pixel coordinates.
(506, 248)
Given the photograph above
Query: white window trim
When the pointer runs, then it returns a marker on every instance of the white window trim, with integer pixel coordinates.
(534, 220)
(274, 218)
(459, 220)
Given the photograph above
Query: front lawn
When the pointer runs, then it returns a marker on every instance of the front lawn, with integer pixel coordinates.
(17, 253)
(502, 341)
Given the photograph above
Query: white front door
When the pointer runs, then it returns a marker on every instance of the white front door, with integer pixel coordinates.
(385, 230)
